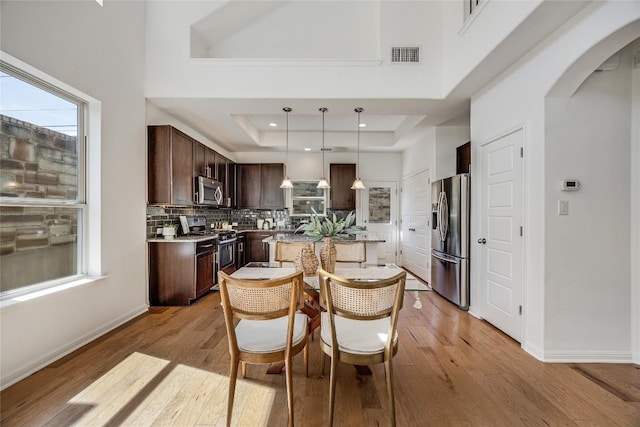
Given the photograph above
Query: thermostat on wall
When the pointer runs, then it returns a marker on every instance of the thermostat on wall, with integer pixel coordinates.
(570, 185)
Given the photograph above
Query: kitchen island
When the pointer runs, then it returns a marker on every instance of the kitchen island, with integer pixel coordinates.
(371, 244)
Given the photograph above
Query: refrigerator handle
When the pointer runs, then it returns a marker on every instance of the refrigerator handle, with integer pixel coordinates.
(453, 261)
(443, 214)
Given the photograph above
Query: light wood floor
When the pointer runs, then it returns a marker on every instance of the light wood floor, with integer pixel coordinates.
(169, 367)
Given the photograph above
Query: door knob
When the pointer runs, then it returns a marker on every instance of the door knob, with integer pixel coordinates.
(482, 240)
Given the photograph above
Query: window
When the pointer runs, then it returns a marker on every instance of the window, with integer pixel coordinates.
(43, 210)
(304, 196)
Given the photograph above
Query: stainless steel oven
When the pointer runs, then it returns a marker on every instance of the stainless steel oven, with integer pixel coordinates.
(227, 247)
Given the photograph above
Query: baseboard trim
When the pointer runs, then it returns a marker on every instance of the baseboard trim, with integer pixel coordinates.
(588, 357)
(47, 359)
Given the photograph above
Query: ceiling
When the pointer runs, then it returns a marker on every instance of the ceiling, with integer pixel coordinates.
(242, 125)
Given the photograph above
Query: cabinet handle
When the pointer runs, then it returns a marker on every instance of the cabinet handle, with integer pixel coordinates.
(206, 246)
(412, 229)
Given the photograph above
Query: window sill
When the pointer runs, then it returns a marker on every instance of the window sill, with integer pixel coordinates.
(11, 301)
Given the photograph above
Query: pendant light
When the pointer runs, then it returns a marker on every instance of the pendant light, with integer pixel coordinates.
(323, 184)
(286, 182)
(358, 184)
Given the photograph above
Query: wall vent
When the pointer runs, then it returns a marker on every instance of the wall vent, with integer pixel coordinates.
(405, 54)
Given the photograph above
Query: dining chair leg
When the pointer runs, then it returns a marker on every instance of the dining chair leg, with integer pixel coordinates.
(233, 374)
(305, 354)
(392, 400)
(244, 369)
(322, 362)
(289, 381)
(332, 388)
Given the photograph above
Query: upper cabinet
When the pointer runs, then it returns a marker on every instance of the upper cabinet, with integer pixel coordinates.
(341, 176)
(175, 160)
(170, 166)
(258, 185)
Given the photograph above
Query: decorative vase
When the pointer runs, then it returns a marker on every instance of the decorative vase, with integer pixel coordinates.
(328, 255)
(307, 261)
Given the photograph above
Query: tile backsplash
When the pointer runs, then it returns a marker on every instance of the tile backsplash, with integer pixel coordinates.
(158, 216)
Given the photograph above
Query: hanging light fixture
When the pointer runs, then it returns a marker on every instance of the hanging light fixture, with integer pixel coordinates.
(358, 184)
(286, 182)
(323, 182)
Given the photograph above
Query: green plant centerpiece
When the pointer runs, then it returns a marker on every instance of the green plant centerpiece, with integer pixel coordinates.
(330, 228)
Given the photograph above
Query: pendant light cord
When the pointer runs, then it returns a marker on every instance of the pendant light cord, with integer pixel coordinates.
(358, 110)
(324, 110)
(286, 155)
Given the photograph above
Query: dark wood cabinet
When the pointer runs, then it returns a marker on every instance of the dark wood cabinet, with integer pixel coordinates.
(241, 250)
(170, 166)
(177, 274)
(255, 249)
(463, 158)
(258, 185)
(231, 184)
(341, 195)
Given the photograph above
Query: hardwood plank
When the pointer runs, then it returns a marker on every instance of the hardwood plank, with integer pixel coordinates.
(170, 367)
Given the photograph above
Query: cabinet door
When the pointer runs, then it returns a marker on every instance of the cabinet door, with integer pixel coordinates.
(199, 162)
(272, 196)
(182, 168)
(342, 177)
(171, 273)
(222, 176)
(256, 250)
(248, 189)
(231, 184)
(204, 273)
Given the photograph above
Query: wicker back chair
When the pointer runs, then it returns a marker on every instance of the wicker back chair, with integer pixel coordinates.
(288, 251)
(351, 252)
(270, 329)
(360, 325)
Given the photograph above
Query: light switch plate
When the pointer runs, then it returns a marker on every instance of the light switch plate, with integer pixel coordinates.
(563, 207)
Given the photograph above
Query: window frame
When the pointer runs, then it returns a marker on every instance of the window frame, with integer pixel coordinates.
(86, 203)
(291, 198)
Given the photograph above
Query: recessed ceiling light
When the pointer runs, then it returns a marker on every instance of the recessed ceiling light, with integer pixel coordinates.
(307, 149)
(273, 125)
(363, 125)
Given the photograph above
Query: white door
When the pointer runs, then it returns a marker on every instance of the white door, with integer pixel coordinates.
(379, 214)
(501, 238)
(415, 231)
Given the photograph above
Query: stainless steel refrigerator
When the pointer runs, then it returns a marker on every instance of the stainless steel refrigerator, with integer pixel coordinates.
(450, 218)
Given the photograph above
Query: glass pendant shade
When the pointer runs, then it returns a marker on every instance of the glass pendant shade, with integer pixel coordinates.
(286, 182)
(358, 184)
(323, 183)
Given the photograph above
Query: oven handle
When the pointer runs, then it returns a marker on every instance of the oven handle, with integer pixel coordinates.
(222, 242)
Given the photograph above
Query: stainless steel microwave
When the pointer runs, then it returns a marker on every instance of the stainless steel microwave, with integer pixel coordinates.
(208, 191)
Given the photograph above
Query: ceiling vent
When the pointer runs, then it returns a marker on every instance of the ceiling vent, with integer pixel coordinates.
(405, 54)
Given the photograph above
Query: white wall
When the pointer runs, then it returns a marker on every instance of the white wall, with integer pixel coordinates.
(448, 138)
(635, 208)
(587, 261)
(516, 99)
(436, 151)
(308, 165)
(75, 42)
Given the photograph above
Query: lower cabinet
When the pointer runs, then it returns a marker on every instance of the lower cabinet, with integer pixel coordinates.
(180, 272)
(241, 258)
(255, 249)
